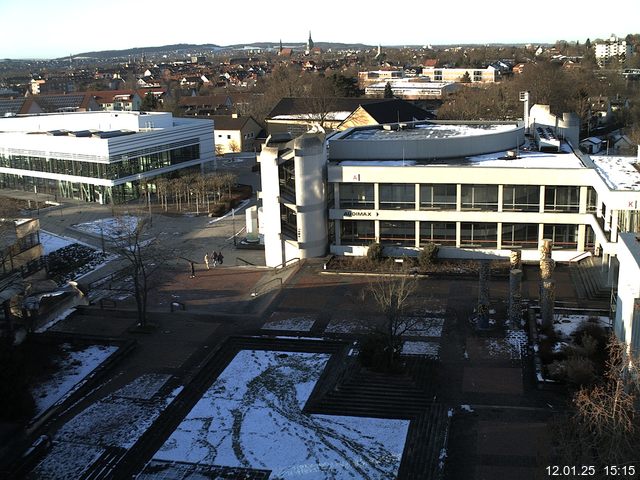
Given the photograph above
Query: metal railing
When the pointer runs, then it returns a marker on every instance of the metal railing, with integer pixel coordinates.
(288, 263)
(260, 289)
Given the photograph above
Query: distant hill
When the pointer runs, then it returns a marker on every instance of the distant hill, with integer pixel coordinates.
(208, 47)
(177, 48)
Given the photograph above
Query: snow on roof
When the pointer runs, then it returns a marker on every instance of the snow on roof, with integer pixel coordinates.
(336, 116)
(527, 159)
(619, 173)
(429, 130)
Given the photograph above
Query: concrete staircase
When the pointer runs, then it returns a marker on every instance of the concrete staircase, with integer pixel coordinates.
(590, 279)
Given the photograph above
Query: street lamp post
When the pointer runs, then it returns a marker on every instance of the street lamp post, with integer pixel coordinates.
(233, 221)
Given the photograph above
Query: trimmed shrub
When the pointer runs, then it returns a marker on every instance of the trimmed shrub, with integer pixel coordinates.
(428, 255)
(375, 252)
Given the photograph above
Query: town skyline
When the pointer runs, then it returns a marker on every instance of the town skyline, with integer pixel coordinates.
(54, 30)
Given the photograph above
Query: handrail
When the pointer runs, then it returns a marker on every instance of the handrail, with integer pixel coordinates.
(284, 265)
(259, 289)
(246, 262)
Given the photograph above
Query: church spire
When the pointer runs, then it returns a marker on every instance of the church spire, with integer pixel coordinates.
(309, 43)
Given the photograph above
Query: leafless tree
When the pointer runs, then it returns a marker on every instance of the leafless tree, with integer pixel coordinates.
(392, 296)
(605, 429)
(144, 258)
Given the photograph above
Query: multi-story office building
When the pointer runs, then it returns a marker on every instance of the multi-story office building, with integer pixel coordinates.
(478, 189)
(99, 156)
(627, 319)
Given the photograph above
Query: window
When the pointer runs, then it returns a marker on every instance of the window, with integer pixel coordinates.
(438, 197)
(562, 199)
(592, 200)
(521, 198)
(287, 177)
(356, 195)
(590, 239)
(398, 233)
(565, 237)
(397, 197)
(478, 235)
(357, 232)
(520, 235)
(480, 197)
(228, 137)
(438, 232)
(288, 223)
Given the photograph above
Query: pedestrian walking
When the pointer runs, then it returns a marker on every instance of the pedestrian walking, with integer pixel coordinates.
(214, 257)
(193, 268)
(206, 260)
(220, 257)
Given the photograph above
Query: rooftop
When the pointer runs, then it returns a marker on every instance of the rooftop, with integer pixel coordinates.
(428, 131)
(619, 173)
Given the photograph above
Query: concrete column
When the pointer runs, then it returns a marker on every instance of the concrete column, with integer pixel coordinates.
(458, 198)
(515, 259)
(583, 200)
(541, 210)
(515, 296)
(458, 228)
(582, 237)
(614, 225)
(418, 199)
(547, 301)
(500, 202)
(499, 236)
(376, 196)
(417, 234)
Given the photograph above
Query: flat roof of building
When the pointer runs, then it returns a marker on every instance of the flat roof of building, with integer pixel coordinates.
(619, 173)
(427, 131)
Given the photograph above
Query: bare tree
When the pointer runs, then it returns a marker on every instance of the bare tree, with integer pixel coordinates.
(605, 429)
(143, 255)
(393, 298)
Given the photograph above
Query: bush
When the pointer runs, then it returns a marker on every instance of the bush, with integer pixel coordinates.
(428, 255)
(375, 252)
(577, 371)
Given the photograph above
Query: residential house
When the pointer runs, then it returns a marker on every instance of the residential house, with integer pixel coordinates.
(118, 100)
(298, 115)
(235, 133)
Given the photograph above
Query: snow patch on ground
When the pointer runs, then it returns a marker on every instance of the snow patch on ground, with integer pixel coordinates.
(566, 325)
(426, 349)
(340, 325)
(51, 242)
(71, 369)
(509, 347)
(301, 323)
(111, 228)
(114, 421)
(252, 417)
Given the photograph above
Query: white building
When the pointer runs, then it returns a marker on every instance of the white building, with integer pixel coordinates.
(477, 189)
(627, 321)
(418, 88)
(99, 156)
(613, 47)
(451, 75)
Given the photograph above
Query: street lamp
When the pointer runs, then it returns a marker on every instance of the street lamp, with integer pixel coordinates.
(233, 222)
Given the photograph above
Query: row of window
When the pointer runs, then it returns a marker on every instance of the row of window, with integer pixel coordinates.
(472, 234)
(524, 198)
(109, 171)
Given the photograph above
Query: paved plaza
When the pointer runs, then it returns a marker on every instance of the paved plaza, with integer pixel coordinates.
(499, 427)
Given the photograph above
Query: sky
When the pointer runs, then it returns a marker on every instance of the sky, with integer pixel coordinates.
(53, 29)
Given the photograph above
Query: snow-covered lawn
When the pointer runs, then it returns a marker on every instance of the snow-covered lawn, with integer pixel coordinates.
(342, 325)
(111, 228)
(566, 325)
(426, 349)
(509, 347)
(52, 242)
(252, 417)
(295, 323)
(118, 420)
(72, 367)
